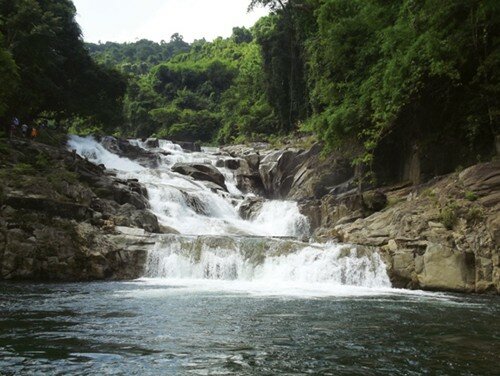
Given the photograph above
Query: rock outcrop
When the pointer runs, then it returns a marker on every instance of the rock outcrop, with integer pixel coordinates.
(125, 148)
(203, 172)
(59, 214)
(294, 173)
(442, 235)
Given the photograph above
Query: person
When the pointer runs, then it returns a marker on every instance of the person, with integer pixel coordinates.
(24, 130)
(34, 132)
(14, 124)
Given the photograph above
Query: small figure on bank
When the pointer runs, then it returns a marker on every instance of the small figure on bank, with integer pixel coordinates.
(34, 132)
(13, 128)
(24, 130)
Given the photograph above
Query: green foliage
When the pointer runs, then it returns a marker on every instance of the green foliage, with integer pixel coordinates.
(449, 215)
(475, 215)
(47, 68)
(471, 196)
(23, 169)
(419, 66)
(213, 91)
(8, 77)
(139, 57)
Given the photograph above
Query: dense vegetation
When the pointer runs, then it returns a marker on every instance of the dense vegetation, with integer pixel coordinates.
(399, 84)
(46, 70)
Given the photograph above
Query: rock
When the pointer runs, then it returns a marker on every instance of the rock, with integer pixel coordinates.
(374, 201)
(493, 227)
(188, 145)
(58, 229)
(152, 143)
(484, 181)
(250, 207)
(195, 203)
(197, 171)
(403, 268)
(146, 220)
(232, 164)
(48, 206)
(168, 230)
(445, 269)
(130, 231)
(393, 246)
(247, 179)
(125, 149)
(253, 160)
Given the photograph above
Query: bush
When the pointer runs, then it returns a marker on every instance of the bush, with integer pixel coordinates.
(475, 215)
(471, 196)
(449, 215)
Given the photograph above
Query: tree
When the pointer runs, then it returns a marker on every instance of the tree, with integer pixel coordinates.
(56, 73)
(8, 77)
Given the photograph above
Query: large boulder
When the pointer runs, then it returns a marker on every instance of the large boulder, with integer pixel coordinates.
(445, 269)
(203, 172)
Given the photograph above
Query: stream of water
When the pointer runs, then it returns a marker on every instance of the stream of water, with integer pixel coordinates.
(228, 296)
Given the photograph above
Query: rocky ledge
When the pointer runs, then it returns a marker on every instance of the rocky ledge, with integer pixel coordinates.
(63, 218)
(442, 235)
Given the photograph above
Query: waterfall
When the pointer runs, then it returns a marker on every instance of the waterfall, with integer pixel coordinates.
(216, 244)
(266, 260)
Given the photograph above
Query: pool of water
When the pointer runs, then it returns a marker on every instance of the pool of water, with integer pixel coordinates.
(158, 327)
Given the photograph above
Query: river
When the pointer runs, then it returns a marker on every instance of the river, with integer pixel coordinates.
(228, 296)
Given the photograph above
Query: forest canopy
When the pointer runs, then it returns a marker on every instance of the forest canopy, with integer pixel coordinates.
(368, 75)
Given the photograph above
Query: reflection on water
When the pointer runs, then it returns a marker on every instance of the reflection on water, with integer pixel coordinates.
(152, 327)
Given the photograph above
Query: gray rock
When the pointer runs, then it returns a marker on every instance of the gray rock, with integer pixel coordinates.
(250, 207)
(198, 171)
(152, 143)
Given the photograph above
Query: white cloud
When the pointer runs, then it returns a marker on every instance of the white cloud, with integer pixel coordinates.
(129, 20)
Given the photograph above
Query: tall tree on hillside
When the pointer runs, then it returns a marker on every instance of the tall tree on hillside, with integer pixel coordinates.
(282, 37)
(8, 77)
(56, 72)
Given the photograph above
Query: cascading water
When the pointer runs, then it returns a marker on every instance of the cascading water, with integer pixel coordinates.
(217, 245)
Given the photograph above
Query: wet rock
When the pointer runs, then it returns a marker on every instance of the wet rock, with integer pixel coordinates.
(232, 164)
(410, 231)
(188, 145)
(152, 143)
(197, 171)
(195, 203)
(250, 208)
(168, 230)
(124, 148)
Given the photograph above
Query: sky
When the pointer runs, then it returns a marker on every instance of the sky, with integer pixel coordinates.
(131, 20)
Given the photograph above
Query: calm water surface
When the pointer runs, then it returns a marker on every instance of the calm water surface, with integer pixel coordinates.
(158, 328)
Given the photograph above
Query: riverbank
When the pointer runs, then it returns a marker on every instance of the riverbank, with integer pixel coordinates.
(63, 218)
(59, 215)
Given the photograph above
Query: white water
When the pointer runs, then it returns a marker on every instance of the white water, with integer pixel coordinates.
(228, 262)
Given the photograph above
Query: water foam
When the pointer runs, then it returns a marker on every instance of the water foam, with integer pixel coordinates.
(282, 263)
(265, 264)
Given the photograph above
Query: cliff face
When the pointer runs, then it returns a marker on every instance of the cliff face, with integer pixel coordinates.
(441, 235)
(58, 217)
